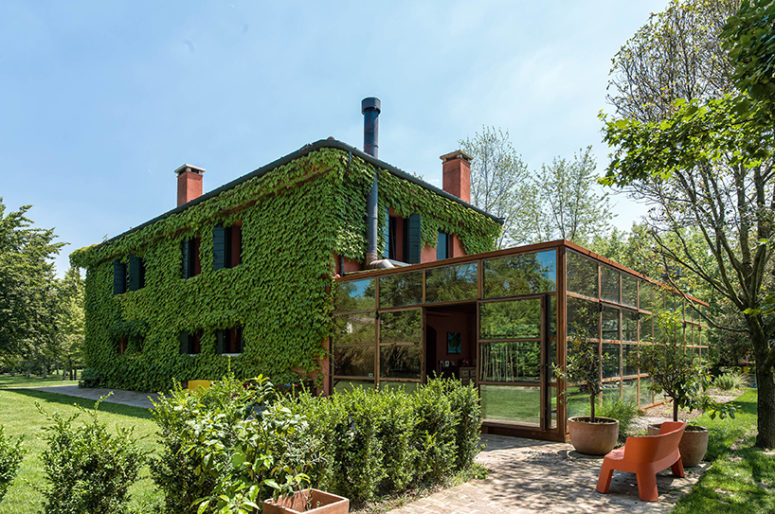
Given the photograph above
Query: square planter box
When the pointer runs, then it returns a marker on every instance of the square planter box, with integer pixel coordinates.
(320, 502)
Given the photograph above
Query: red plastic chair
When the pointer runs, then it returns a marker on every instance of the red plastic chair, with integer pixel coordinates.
(645, 456)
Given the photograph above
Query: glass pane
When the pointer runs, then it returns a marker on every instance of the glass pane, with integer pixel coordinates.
(452, 283)
(354, 328)
(629, 352)
(400, 327)
(582, 274)
(610, 323)
(630, 391)
(511, 362)
(646, 328)
(517, 404)
(658, 298)
(629, 290)
(511, 319)
(704, 336)
(645, 392)
(341, 385)
(399, 361)
(520, 274)
(405, 386)
(578, 402)
(611, 364)
(552, 392)
(400, 289)
(610, 392)
(610, 283)
(629, 325)
(645, 295)
(356, 295)
(582, 318)
(355, 360)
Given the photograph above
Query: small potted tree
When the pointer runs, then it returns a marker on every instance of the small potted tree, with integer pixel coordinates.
(682, 380)
(591, 434)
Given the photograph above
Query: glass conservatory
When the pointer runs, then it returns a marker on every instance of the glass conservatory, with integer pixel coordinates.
(495, 319)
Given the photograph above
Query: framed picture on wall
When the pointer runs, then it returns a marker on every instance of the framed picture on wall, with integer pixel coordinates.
(453, 343)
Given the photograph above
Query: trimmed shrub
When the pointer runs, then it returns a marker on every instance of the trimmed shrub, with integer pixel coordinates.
(434, 433)
(89, 378)
(11, 454)
(730, 381)
(88, 469)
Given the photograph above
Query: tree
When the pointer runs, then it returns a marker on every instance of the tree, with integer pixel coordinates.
(70, 321)
(568, 204)
(687, 141)
(498, 180)
(27, 284)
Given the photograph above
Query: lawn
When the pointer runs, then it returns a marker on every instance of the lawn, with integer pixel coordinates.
(741, 478)
(20, 416)
(8, 381)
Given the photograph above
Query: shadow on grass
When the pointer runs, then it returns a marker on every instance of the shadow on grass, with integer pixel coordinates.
(113, 408)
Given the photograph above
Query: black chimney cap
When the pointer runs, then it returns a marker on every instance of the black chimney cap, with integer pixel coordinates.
(371, 103)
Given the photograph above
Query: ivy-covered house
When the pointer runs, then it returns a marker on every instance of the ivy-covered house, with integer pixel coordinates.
(242, 276)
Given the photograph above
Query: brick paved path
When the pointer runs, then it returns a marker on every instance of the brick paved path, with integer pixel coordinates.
(132, 398)
(535, 476)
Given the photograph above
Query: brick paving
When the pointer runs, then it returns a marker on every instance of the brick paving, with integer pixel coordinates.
(534, 476)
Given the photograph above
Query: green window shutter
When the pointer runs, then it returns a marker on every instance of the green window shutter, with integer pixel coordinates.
(386, 233)
(222, 341)
(442, 246)
(136, 273)
(119, 277)
(239, 339)
(414, 241)
(221, 247)
(186, 249)
(183, 339)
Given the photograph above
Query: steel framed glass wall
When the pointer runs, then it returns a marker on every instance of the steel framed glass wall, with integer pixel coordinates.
(514, 306)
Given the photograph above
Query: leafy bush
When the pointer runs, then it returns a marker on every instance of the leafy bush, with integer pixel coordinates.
(622, 411)
(11, 454)
(730, 381)
(228, 447)
(89, 378)
(88, 469)
(435, 431)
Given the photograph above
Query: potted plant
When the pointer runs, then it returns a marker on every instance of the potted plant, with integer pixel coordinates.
(682, 380)
(591, 434)
(312, 501)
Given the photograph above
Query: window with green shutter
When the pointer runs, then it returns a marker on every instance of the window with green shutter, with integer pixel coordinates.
(442, 246)
(414, 241)
(227, 246)
(228, 341)
(190, 343)
(136, 273)
(119, 277)
(190, 252)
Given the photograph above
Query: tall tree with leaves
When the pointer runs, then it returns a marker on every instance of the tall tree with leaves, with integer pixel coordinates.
(568, 202)
(70, 321)
(499, 178)
(27, 283)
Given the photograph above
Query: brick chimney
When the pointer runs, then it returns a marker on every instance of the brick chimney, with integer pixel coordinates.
(189, 183)
(456, 168)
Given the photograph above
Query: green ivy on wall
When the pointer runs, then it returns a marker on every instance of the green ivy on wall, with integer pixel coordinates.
(294, 219)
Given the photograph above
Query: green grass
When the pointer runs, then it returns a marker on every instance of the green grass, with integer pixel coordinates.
(741, 478)
(20, 417)
(8, 381)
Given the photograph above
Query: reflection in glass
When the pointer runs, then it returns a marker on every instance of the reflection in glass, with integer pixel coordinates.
(511, 319)
(400, 290)
(629, 290)
(611, 363)
(405, 386)
(629, 325)
(645, 296)
(610, 283)
(459, 282)
(582, 318)
(552, 392)
(645, 391)
(520, 274)
(630, 391)
(400, 327)
(610, 392)
(516, 404)
(399, 361)
(610, 323)
(355, 295)
(552, 316)
(511, 362)
(356, 360)
(354, 328)
(629, 352)
(582, 274)
(341, 385)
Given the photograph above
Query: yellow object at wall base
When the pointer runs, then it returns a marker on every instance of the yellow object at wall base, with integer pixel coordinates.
(196, 384)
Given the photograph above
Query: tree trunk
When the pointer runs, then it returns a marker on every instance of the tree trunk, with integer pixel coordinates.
(765, 384)
(675, 410)
(592, 408)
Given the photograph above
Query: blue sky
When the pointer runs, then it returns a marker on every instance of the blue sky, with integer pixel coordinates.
(101, 101)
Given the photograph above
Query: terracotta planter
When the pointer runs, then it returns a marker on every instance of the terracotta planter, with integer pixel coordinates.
(319, 502)
(693, 445)
(596, 438)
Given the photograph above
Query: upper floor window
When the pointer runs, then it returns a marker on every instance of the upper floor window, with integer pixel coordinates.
(190, 343)
(403, 239)
(136, 273)
(119, 277)
(190, 250)
(229, 341)
(443, 246)
(227, 246)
